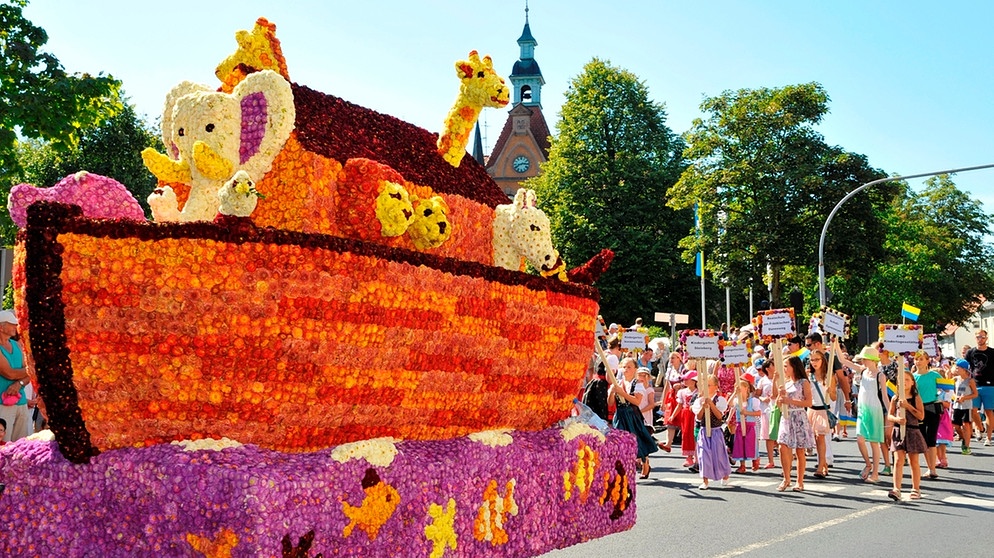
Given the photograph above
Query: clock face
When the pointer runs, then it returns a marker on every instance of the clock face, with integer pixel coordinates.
(521, 163)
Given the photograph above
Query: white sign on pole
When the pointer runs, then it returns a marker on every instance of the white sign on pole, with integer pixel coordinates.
(834, 322)
(671, 318)
(702, 343)
(930, 342)
(776, 323)
(633, 340)
(734, 352)
(901, 339)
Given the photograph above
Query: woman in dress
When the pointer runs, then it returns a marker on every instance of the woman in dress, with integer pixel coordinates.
(823, 385)
(907, 409)
(795, 435)
(870, 417)
(630, 393)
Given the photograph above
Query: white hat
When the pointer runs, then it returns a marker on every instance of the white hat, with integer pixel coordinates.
(8, 317)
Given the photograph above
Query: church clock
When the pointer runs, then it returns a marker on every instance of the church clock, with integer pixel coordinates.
(521, 163)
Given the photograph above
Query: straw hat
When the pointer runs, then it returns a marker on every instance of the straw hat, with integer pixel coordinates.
(868, 353)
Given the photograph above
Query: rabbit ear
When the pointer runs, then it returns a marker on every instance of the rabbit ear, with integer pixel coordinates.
(267, 119)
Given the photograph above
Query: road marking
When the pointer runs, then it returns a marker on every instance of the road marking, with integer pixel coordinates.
(969, 501)
(804, 531)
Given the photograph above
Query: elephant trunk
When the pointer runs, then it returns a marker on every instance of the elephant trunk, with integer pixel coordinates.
(210, 164)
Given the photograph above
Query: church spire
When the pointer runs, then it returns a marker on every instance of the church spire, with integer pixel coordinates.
(526, 77)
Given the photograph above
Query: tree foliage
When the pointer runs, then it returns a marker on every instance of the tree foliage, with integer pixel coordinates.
(39, 99)
(765, 181)
(936, 259)
(111, 149)
(605, 185)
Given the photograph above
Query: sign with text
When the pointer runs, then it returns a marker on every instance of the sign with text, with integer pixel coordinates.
(834, 322)
(930, 342)
(634, 340)
(734, 352)
(901, 339)
(701, 343)
(775, 324)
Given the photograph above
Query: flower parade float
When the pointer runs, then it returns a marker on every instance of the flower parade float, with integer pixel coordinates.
(323, 344)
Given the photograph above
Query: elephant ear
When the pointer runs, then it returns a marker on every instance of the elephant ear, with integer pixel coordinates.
(183, 89)
(267, 119)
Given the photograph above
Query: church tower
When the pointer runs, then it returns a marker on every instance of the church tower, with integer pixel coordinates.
(524, 141)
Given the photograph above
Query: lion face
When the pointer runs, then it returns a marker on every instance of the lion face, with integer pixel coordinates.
(394, 209)
(431, 226)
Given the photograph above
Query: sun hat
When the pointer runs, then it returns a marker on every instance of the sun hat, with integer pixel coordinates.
(692, 375)
(8, 317)
(867, 353)
(748, 377)
(643, 370)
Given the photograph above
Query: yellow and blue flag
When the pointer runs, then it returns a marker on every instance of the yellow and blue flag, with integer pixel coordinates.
(945, 384)
(847, 420)
(910, 312)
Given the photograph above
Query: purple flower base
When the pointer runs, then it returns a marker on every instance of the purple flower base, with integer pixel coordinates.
(151, 501)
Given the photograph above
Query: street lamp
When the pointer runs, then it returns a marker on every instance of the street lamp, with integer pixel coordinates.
(824, 230)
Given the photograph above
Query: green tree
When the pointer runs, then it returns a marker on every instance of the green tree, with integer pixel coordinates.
(765, 181)
(605, 185)
(111, 149)
(935, 259)
(39, 99)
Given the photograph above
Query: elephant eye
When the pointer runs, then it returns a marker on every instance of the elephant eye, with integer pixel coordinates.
(396, 196)
(479, 74)
(180, 132)
(209, 128)
(535, 228)
(427, 212)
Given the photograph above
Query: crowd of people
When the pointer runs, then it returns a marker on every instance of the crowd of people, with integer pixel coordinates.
(742, 417)
(20, 415)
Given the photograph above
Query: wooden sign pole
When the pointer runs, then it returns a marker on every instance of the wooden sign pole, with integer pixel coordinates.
(702, 376)
(738, 398)
(778, 363)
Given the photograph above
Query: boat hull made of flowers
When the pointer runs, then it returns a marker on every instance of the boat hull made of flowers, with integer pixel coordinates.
(147, 333)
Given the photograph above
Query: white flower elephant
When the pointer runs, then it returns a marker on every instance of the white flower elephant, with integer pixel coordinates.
(210, 135)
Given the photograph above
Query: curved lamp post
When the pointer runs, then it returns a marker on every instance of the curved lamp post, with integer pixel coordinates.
(824, 230)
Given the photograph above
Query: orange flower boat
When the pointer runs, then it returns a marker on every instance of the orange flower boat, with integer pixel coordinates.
(294, 329)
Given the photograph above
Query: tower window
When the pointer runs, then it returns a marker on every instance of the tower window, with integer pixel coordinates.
(526, 93)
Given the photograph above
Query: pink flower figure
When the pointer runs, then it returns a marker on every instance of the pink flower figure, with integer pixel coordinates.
(100, 197)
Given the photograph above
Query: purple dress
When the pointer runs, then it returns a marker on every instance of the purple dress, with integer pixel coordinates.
(712, 453)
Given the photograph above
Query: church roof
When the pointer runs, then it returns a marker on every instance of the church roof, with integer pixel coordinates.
(527, 67)
(526, 34)
(538, 127)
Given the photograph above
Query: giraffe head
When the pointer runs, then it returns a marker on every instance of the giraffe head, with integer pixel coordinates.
(481, 86)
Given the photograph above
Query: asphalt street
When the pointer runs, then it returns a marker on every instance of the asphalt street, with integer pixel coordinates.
(837, 516)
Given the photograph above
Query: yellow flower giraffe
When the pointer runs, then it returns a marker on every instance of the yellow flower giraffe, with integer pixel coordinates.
(481, 87)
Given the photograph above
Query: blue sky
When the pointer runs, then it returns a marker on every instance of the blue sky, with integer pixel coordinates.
(910, 81)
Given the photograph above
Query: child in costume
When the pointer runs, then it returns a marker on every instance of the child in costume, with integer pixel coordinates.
(712, 453)
(747, 411)
(684, 415)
